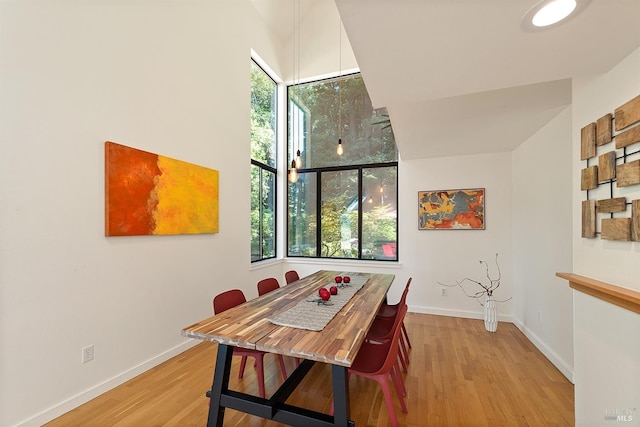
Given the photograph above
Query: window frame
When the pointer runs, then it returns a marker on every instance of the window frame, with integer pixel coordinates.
(318, 171)
(265, 168)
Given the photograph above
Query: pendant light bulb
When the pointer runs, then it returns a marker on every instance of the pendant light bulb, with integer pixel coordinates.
(340, 150)
(293, 173)
(298, 160)
(370, 199)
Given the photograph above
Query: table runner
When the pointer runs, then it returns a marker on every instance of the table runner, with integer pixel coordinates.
(311, 315)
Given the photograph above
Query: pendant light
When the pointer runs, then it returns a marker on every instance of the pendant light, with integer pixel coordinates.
(293, 173)
(340, 148)
(297, 162)
(297, 88)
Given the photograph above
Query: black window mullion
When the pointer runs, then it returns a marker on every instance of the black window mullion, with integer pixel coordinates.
(319, 214)
(360, 212)
(261, 210)
(275, 214)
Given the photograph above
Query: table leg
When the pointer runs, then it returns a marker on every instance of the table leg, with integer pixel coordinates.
(340, 396)
(220, 384)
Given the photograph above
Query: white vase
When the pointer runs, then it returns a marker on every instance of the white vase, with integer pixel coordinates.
(490, 315)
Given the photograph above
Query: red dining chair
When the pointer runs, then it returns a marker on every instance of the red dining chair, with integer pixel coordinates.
(378, 361)
(267, 285)
(389, 311)
(230, 299)
(291, 276)
(382, 330)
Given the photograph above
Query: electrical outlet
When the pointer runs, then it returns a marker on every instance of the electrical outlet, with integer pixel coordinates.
(87, 353)
(539, 316)
(443, 292)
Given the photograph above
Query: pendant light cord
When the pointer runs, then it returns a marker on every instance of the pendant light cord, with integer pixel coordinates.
(340, 82)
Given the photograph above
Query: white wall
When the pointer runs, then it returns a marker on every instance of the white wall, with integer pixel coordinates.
(450, 255)
(542, 240)
(168, 77)
(607, 338)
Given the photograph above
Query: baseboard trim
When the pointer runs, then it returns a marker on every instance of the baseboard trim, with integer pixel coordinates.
(457, 313)
(95, 391)
(562, 366)
(557, 361)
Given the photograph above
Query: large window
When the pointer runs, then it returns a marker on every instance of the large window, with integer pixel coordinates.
(341, 206)
(263, 164)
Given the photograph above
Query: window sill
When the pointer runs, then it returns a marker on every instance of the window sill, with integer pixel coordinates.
(258, 265)
(395, 265)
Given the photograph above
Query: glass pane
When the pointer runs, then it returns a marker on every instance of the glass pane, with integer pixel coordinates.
(380, 213)
(303, 216)
(323, 111)
(256, 254)
(263, 117)
(297, 131)
(268, 214)
(340, 214)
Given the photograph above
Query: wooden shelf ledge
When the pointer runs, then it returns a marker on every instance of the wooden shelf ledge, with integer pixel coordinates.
(622, 297)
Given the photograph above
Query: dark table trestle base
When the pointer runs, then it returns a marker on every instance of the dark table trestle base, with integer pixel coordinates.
(276, 408)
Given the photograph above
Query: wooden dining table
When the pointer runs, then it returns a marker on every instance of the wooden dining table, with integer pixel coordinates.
(249, 326)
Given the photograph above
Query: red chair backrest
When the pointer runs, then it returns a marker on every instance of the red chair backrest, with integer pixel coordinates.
(403, 298)
(392, 355)
(227, 300)
(267, 285)
(291, 276)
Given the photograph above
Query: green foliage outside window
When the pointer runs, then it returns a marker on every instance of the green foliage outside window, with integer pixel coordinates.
(263, 165)
(356, 193)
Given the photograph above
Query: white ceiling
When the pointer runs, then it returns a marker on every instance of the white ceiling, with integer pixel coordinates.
(461, 76)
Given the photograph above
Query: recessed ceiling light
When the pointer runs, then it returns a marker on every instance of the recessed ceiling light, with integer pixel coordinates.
(551, 13)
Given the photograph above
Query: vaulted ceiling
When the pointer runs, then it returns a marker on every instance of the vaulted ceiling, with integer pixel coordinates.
(461, 76)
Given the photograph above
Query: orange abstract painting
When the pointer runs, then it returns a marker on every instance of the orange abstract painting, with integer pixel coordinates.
(147, 194)
(451, 209)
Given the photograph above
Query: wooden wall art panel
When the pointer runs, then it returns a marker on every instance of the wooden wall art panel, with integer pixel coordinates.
(619, 204)
(607, 166)
(628, 174)
(604, 133)
(589, 219)
(628, 137)
(616, 168)
(589, 179)
(628, 114)
(635, 220)
(588, 141)
(616, 229)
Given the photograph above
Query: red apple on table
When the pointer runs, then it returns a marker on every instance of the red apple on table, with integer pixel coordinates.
(324, 294)
(333, 290)
(346, 279)
(338, 279)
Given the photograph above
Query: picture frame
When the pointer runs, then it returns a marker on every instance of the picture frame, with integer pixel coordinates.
(459, 209)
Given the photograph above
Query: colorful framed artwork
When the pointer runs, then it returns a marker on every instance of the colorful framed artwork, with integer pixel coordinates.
(451, 209)
(150, 194)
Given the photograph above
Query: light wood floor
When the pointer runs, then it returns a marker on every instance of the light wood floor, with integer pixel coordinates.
(459, 375)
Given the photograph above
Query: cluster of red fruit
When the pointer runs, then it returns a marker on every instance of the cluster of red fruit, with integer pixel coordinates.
(325, 293)
(340, 279)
